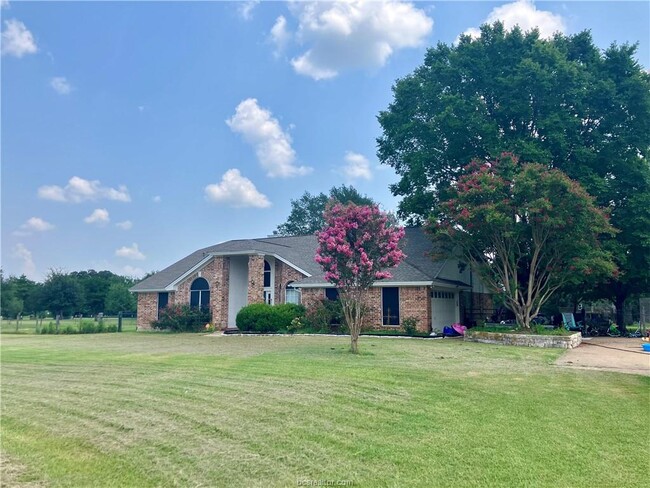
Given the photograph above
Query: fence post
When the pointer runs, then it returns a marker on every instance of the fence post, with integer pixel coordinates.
(119, 322)
(58, 319)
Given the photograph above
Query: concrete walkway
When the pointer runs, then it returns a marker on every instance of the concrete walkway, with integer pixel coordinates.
(621, 355)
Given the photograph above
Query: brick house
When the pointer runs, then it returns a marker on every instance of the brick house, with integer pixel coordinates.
(230, 275)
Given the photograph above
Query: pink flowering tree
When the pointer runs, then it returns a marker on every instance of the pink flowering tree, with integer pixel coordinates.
(356, 247)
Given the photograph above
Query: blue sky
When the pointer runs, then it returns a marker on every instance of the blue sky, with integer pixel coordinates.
(135, 133)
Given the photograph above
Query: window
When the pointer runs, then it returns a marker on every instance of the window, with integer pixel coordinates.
(447, 295)
(267, 274)
(390, 305)
(291, 294)
(332, 294)
(200, 293)
(163, 300)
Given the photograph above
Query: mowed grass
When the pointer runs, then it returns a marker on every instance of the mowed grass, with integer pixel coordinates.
(148, 409)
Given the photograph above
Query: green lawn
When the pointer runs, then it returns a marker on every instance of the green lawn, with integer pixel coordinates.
(151, 409)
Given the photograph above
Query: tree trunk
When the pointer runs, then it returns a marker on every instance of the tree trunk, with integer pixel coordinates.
(620, 312)
(354, 343)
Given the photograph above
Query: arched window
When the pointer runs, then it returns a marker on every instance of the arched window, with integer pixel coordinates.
(292, 294)
(267, 274)
(200, 293)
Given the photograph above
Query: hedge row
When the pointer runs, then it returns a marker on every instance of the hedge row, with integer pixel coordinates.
(263, 318)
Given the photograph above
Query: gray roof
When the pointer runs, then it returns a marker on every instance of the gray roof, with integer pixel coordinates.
(299, 251)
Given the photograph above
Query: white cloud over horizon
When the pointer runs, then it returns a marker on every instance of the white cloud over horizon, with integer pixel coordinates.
(525, 14)
(356, 166)
(78, 190)
(272, 144)
(131, 252)
(99, 216)
(17, 40)
(339, 36)
(61, 85)
(25, 255)
(236, 191)
(132, 271)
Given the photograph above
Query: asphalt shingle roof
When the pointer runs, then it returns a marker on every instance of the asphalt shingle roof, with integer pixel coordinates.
(299, 251)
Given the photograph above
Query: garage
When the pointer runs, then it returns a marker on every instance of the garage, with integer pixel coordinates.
(444, 308)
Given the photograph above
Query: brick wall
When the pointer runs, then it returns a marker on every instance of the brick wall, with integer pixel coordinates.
(311, 296)
(147, 309)
(255, 279)
(415, 301)
(283, 275)
(217, 273)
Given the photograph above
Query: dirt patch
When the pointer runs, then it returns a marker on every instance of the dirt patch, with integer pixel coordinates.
(621, 355)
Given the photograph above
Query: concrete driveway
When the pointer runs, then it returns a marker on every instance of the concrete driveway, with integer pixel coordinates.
(621, 355)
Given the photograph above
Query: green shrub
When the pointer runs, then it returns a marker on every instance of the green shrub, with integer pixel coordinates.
(325, 317)
(263, 318)
(410, 325)
(70, 329)
(111, 328)
(87, 327)
(182, 318)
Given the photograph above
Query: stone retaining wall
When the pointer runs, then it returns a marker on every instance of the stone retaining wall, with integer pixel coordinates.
(527, 340)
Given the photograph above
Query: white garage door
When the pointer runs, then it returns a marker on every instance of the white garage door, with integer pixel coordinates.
(443, 309)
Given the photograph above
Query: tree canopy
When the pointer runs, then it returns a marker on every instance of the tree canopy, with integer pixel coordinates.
(560, 102)
(86, 292)
(526, 229)
(306, 215)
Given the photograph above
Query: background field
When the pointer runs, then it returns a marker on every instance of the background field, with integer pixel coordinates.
(152, 409)
(28, 326)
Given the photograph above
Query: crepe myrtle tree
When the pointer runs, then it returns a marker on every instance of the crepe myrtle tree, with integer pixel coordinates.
(357, 246)
(526, 229)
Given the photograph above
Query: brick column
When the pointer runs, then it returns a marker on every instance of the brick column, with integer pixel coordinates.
(256, 278)
(147, 309)
(219, 292)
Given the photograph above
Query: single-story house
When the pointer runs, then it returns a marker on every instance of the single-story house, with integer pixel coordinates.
(230, 275)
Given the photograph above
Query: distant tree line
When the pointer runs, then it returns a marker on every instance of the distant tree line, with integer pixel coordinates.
(79, 292)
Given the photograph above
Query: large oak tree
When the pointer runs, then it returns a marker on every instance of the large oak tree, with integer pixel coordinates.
(560, 102)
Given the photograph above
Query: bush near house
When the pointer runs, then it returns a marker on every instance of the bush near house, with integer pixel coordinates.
(183, 318)
(326, 316)
(260, 317)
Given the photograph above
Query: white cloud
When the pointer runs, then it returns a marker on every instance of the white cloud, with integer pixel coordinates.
(126, 225)
(34, 224)
(356, 166)
(25, 255)
(132, 271)
(17, 40)
(156, 199)
(272, 144)
(279, 35)
(246, 8)
(99, 216)
(523, 13)
(354, 34)
(78, 190)
(130, 252)
(37, 224)
(61, 85)
(236, 191)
